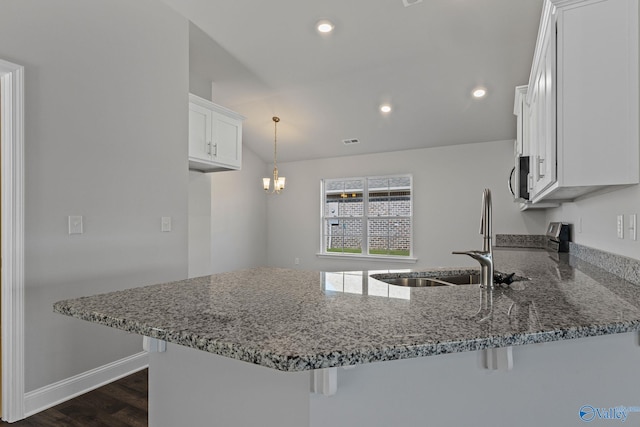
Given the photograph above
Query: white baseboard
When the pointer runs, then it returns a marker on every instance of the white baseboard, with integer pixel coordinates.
(61, 391)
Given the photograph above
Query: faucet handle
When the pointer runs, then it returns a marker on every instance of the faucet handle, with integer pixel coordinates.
(483, 257)
(460, 252)
(470, 253)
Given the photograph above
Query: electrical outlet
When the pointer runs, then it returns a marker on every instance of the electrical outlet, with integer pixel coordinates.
(620, 226)
(579, 225)
(296, 261)
(166, 224)
(75, 224)
(633, 229)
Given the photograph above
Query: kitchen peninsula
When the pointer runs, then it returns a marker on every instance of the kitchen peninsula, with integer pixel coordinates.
(245, 348)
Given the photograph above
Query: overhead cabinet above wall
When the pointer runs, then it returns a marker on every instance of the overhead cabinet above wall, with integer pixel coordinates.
(215, 136)
(578, 119)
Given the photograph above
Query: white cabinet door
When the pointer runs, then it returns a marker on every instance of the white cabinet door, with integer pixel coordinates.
(543, 160)
(215, 136)
(598, 101)
(519, 110)
(533, 130)
(546, 154)
(227, 140)
(200, 127)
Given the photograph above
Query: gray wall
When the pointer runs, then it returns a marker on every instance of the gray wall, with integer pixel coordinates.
(599, 213)
(239, 217)
(202, 57)
(227, 219)
(447, 188)
(199, 224)
(106, 126)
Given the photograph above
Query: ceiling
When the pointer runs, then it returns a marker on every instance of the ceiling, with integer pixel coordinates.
(268, 59)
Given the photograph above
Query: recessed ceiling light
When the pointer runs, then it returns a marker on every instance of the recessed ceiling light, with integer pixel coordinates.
(385, 108)
(325, 26)
(479, 92)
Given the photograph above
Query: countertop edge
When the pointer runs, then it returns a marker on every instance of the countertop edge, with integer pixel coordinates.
(297, 363)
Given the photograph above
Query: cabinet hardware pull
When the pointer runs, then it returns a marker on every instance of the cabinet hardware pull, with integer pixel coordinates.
(541, 170)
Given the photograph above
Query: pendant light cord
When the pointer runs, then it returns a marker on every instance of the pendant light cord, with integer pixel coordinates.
(275, 140)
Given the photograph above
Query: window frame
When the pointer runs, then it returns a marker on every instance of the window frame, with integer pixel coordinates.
(365, 218)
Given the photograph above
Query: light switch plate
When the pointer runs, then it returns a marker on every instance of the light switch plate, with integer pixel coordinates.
(620, 226)
(166, 224)
(75, 224)
(633, 227)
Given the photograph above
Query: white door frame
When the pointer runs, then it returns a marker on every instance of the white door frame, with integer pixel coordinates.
(12, 241)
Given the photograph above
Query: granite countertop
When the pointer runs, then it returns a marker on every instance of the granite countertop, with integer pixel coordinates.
(293, 320)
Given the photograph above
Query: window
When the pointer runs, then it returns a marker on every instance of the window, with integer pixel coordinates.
(369, 216)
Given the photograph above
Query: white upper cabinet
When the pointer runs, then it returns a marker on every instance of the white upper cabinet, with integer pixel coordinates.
(215, 136)
(542, 112)
(521, 181)
(582, 99)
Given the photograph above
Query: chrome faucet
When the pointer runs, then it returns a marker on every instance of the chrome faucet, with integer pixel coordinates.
(485, 256)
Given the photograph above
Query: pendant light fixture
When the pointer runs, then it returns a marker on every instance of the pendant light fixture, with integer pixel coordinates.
(278, 181)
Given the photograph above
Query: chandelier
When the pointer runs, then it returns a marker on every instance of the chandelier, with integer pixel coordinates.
(278, 181)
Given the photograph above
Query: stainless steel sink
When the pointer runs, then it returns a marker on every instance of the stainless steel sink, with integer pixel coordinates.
(462, 279)
(418, 282)
(443, 278)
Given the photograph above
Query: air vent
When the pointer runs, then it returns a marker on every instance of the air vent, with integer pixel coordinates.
(408, 3)
(350, 141)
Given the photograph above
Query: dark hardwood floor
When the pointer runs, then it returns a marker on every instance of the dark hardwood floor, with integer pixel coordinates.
(120, 404)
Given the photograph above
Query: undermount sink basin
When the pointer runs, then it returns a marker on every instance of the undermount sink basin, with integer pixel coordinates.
(462, 279)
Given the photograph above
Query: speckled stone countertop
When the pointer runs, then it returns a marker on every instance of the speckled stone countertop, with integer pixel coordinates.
(294, 320)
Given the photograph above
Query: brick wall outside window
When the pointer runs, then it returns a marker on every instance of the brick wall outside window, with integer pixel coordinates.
(388, 218)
